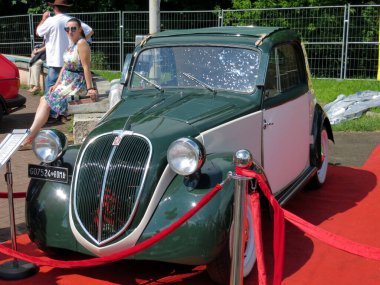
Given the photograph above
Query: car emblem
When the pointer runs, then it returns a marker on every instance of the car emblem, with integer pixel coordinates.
(117, 140)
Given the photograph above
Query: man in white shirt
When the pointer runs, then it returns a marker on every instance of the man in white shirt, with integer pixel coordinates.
(56, 39)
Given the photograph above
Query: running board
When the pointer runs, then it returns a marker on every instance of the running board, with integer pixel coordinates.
(299, 183)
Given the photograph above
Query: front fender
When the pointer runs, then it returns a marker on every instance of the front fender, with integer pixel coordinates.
(47, 213)
(47, 208)
(201, 238)
(320, 121)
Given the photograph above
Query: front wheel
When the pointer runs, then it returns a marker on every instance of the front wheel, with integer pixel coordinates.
(320, 177)
(219, 268)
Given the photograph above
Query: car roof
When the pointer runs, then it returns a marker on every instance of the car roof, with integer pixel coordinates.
(239, 35)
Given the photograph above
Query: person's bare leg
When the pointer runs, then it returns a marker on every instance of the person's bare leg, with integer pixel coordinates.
(42, 115)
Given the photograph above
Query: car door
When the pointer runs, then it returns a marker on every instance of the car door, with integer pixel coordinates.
(286, 119)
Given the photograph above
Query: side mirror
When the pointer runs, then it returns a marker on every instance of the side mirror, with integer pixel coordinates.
(124, 73)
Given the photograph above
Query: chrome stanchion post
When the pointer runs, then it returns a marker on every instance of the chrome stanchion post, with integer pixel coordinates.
(242, 158)
(12, 224)
(14, 269)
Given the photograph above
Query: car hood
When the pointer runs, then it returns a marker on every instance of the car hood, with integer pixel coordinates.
(145, 112)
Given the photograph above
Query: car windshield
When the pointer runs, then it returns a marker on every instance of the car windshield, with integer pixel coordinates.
(210, 67)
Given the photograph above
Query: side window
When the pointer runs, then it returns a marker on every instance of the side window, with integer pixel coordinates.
(272, 79)
(288, 67)
(284, 70)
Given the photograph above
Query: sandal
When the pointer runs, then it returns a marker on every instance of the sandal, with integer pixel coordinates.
(64, 119)
(34, 90)
(94, 98)
(26, 144)
(53, 120)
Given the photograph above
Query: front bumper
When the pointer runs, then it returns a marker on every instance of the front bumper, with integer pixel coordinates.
(17, 102)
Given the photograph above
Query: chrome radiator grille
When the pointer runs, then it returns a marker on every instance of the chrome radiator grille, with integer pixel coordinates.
(109, 180)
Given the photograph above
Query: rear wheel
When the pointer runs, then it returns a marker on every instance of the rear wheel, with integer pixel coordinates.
(320, 177)
(219, 268)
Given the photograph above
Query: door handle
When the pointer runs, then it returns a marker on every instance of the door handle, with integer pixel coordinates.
(266, 124)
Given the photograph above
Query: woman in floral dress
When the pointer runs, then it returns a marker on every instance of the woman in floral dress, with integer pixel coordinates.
(74, 80)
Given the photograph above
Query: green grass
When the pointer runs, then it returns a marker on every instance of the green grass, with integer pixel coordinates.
(108, 75)
(362, 124)
(26, 87)
(326, 91)
(70, 126)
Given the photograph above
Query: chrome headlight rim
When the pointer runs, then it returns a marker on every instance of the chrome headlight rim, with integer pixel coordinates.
(49, 145)
(189, 149)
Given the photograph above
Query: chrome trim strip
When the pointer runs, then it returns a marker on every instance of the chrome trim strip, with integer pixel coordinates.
(296, 185)
(106, 172)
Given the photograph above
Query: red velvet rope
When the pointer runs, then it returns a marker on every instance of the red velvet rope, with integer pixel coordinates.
(15, 195)
(333, 239)
(119, 255)
(256, 215)
(279, 224)
(310, 229)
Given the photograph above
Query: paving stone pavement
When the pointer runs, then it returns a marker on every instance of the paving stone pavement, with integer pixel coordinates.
(22, 119)
(350, 149)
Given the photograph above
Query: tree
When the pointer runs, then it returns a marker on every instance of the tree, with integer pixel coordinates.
(248, 4)
(16, 7)
(9, 7)
(189, 5)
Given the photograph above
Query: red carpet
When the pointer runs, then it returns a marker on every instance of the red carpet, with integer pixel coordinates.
(348, 205)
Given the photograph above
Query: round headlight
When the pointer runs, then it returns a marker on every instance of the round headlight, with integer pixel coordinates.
(48, 145)
(185, 156)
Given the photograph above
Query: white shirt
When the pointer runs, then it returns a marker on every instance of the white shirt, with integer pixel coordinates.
(56, 39)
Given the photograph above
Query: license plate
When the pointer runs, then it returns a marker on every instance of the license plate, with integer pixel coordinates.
(49, 173)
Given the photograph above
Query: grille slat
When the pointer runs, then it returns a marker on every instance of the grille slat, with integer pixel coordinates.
(120, 191)
(90, 181)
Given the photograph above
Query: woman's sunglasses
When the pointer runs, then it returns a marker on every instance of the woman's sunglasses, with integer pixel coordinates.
(73, 29)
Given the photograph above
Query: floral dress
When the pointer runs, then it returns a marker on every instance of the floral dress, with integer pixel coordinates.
(72, 85)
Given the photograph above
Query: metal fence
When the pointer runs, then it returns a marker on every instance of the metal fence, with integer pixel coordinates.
(341, 41)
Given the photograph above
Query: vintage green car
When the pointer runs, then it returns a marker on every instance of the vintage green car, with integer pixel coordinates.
(191, 99)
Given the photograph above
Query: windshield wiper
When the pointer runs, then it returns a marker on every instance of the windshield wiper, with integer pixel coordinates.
(149, 81)
(199, 82)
